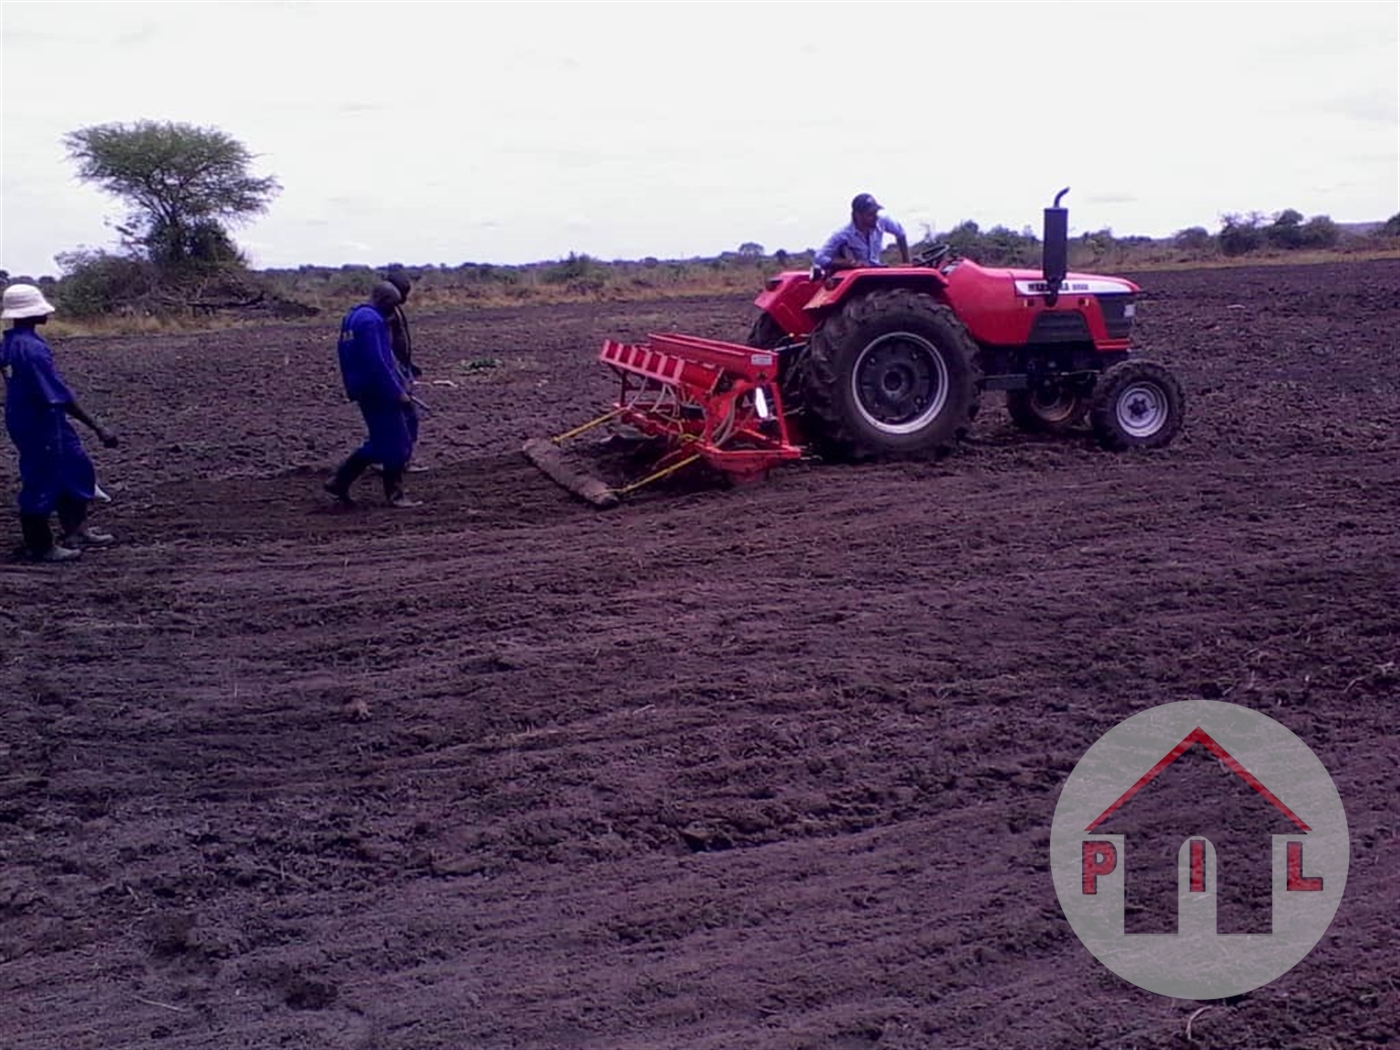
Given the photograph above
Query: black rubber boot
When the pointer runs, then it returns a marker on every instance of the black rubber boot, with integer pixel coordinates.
(349, 472)
(73, 518)
(393, 489)
(72, 515)
(39, 539)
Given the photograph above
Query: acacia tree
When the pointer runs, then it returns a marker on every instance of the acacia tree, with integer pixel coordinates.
(185, 184)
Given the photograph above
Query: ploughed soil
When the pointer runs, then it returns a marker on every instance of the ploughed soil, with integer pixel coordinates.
(771, 766)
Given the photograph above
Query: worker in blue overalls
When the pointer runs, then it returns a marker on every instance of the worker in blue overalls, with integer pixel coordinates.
(55, 472)
(374, 381)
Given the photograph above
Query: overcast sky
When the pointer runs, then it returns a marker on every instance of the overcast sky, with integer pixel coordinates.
(455, 132)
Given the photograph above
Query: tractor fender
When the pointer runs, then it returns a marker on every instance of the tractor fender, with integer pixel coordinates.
(783, 298)
(841, 286)
(797, 303)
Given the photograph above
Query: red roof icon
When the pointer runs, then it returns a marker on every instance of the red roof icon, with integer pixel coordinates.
(1199, 736)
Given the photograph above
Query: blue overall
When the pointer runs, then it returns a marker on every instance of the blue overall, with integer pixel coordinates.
(372, 380)
(52, 460)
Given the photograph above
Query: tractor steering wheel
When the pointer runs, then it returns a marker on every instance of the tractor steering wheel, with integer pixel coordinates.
(933, 255)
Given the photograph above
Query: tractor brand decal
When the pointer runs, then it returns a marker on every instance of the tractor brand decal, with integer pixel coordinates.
(1199, 849)
(1087, 286)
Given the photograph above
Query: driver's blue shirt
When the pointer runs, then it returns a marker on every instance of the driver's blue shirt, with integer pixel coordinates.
(863, 248)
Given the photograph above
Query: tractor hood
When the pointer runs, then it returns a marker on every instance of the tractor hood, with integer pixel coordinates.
(1026, 282)
(1032, 282)
(1004, 307)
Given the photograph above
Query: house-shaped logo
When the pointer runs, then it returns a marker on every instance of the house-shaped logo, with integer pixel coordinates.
(1199, 849)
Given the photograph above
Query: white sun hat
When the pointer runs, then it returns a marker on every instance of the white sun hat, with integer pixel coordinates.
(24, 300)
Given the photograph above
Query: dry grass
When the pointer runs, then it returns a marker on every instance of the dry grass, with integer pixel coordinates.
(58, 328)
(333, 291)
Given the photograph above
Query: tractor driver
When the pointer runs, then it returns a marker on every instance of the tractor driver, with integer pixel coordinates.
(861, 243)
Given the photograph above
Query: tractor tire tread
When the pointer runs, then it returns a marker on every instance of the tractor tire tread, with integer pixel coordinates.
(1103, 415)
(821, 373)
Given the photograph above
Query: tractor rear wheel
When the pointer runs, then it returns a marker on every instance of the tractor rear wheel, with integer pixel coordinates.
(1137, 404)
(1048, 410)
(895, 373)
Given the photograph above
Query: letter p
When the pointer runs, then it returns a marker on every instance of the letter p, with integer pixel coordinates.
(1100, 858)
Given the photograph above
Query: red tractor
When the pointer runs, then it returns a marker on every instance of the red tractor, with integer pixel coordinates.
(895, 359)
(888, 361)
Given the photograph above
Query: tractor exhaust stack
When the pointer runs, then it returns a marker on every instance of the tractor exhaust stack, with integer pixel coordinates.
(1055, 257)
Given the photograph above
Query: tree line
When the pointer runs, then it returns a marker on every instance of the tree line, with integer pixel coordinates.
(186, 186)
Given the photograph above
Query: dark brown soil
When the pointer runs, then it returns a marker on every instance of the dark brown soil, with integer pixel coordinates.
(769, 767)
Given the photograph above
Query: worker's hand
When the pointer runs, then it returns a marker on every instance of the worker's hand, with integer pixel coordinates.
(817, 273)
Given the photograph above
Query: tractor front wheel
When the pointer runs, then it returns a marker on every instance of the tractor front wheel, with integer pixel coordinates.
(893, 374)
(1137, 404)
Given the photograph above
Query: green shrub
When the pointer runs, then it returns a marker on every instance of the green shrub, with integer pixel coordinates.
(1286, 231)
(1240, 235)
(1321, 232)
(574, 268)
(96, 282)
(1193, 239)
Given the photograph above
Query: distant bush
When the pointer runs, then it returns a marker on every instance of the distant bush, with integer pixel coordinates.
(963, 238)
(97, 282)
(574, 268)
(998, 246)
(1193, 239)
(1286, 231)
(1240, 235)
(1321, 232)
(1098, 242)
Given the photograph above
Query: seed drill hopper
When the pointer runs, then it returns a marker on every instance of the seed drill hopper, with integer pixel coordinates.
(701, 400)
